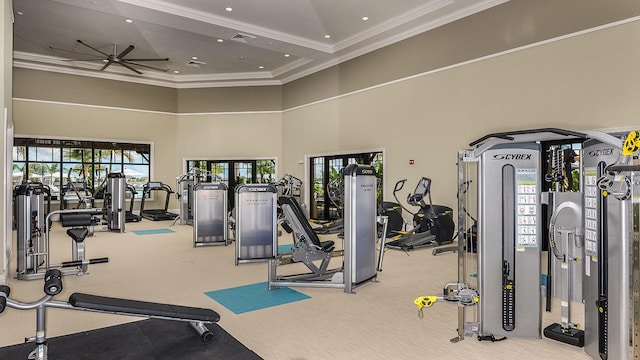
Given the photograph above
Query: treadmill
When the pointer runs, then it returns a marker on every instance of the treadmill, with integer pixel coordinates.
(156, 214)
(129, 215)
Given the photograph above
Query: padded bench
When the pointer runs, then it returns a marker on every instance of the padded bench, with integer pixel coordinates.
(143, 308)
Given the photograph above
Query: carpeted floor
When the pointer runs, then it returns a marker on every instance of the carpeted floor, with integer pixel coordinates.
(140, 340)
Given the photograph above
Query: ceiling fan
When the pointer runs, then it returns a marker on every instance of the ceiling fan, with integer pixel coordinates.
(116, 58)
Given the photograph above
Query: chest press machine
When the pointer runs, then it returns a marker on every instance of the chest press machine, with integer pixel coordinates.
(360, 233)
(196, 317)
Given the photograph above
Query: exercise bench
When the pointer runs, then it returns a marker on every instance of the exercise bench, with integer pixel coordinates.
(196, 317)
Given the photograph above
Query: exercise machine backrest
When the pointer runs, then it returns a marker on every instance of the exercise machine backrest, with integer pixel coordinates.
(298, 221)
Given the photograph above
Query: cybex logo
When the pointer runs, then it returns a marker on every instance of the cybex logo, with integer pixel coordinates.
(256, 189)
(601, 152)
(512, 157)
(367, 171)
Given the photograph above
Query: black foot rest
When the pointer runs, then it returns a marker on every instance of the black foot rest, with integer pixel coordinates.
(78, 234)
(327, 246)
(143, 308)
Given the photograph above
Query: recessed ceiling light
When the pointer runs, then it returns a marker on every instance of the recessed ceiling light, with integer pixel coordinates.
(194, 58)
(286, 55)
(229, 9)
(176, 72)
(327, 36)
(220, 40)
(128, 21)
(105, 60)
(364, 18)
(260, 67)
(241, 57)
(19, 13)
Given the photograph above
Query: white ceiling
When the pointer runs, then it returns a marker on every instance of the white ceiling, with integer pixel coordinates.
(46, 34)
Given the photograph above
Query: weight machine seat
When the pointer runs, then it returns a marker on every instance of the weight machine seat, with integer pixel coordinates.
(142, 308)
(303, 224)
(78, 234)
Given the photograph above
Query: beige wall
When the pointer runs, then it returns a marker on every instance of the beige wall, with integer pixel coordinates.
(584, 82)
(42, 85)
(35, 118)
(233, 99)
(174, 137)
(249, 135)
(309, 130)
(507, 26)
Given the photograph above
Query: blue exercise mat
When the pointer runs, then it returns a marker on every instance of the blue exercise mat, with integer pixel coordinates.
(252, 297)
(152, 231)
(285, 249)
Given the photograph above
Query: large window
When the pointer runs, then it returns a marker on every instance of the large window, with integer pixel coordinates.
(236, 172)
(56, 163)
(326, 184)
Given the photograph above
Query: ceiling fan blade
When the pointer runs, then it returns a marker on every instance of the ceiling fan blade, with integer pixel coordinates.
(72, 60)
(146, 66)
(92, 48)
(70, 51)
(130, 68)
(126, 51)
(163, 59)
(106, 65)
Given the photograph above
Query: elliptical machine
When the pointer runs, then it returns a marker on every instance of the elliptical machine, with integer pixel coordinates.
(432, 224)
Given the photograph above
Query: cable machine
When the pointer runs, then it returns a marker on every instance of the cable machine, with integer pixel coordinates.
(593, 237)
(114, 199)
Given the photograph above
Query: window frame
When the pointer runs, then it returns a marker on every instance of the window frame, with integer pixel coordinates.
(230, 181)
(347, 157)
(89, 163)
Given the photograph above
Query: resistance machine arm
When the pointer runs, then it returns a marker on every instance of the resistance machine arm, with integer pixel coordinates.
(455, 292)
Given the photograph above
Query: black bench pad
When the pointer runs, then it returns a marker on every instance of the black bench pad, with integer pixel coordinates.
(79, 219)
(142, 308)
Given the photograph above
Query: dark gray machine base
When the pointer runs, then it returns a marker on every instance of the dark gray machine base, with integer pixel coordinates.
(572, 336)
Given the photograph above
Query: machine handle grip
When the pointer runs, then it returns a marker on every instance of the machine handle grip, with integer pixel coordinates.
(99, 260)
(83, 262)
(399, 185)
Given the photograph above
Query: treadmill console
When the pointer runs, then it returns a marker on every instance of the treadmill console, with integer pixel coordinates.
(152, 185)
